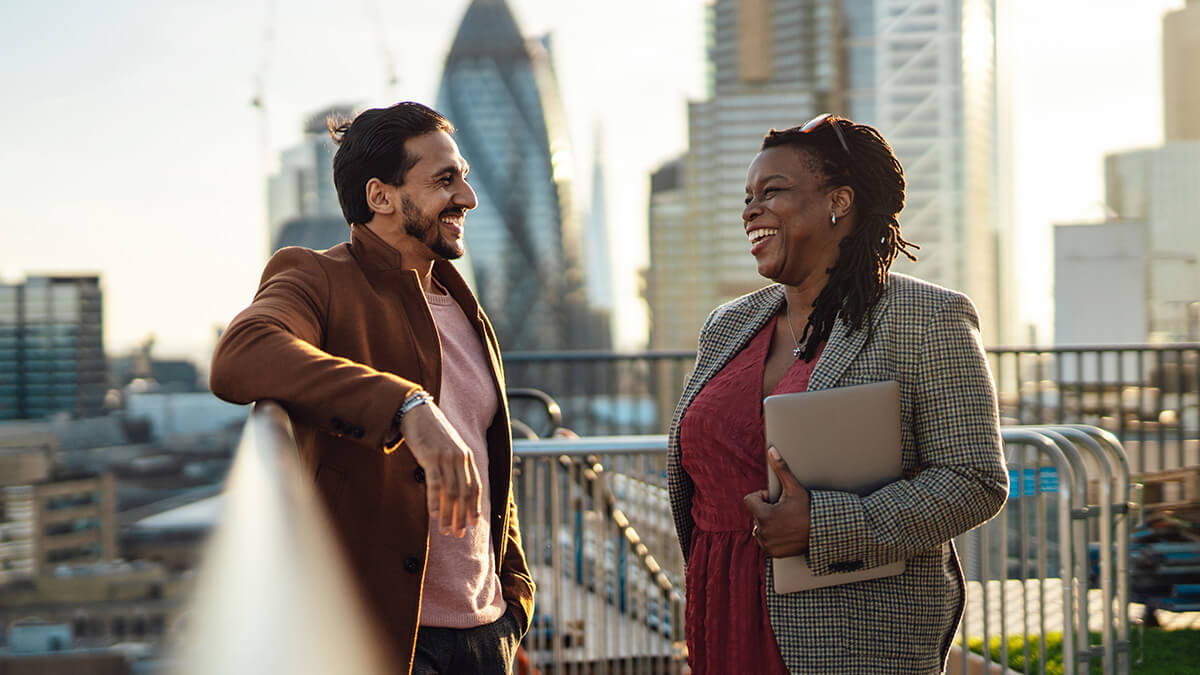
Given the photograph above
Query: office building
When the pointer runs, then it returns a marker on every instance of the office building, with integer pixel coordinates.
(523, 239)
(1157, 187)
(302, 203)
(52, 348)
(1100, 273)
(920, 71)
(1181, 77)
(48, 519)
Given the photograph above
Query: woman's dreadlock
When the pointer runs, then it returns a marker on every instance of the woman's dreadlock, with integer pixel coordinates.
(869, 167)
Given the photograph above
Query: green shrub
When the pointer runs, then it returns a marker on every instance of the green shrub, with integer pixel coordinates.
(1166, 652)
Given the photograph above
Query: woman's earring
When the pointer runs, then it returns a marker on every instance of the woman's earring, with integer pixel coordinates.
(833, 219)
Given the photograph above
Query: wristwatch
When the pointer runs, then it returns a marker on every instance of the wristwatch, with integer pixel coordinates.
(418, 397)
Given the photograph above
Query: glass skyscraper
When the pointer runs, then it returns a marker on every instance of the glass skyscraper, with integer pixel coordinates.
(51, 348)
(921, 71)
(523, 240)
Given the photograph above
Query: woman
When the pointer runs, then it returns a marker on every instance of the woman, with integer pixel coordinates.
(821, 207)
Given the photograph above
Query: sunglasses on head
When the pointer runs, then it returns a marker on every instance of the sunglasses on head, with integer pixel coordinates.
(821, 119)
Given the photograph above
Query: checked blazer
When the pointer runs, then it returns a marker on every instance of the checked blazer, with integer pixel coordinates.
(926, 338)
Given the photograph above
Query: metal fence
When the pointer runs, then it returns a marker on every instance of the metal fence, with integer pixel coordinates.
(600, 541)
(1147, 395)
(1056, 558)
(599, 537)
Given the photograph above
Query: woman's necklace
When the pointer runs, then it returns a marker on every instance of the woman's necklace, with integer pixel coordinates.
(799, 348)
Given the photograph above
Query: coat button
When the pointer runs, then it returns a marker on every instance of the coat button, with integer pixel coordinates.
(412, 565)
(419, 475)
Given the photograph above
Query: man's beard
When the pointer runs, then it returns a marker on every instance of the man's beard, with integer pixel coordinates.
(423, 229)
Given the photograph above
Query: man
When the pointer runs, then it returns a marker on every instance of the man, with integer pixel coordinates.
(391, 375)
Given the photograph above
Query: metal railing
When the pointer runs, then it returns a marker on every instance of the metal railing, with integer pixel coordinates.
(274, 594)
(1070, 500)
(598, 534)
(1146, 395)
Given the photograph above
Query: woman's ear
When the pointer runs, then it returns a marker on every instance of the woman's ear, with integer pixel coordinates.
(380, 198)
(842, 198)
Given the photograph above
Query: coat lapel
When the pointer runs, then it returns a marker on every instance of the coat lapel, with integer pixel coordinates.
(844, 346)
(743, 322)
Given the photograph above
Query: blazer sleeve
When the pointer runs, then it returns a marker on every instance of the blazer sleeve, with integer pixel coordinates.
(516, 582)
(963, 480)
(271, 350)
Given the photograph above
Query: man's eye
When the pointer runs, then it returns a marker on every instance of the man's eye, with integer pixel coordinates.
(445, 180)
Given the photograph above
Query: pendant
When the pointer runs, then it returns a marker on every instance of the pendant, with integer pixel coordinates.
(797, 351)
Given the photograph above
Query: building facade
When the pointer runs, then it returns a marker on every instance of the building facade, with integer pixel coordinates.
(921, 71)
(52, 348)
(1181, 77)
(523, 239)
(302, 202)
(1157, 186)
(56, 521)
(1100, 283)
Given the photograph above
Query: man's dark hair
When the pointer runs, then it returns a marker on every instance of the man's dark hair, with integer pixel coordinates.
(868, 166)
(372, 146)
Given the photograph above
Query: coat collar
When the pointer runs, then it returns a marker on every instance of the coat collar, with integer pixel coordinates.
(378, 258)
(756, 309)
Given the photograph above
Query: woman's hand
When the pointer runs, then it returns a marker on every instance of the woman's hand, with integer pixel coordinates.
(781, 528)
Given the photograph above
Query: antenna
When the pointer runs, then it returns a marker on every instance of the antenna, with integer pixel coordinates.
(258, 100)
(375, 18)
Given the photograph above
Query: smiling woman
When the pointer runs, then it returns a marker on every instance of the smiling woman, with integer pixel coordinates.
(820, 213)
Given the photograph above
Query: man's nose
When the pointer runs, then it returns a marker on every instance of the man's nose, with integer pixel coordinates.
(466, 197)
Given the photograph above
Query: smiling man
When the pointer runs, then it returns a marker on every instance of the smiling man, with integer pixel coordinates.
(391, 375)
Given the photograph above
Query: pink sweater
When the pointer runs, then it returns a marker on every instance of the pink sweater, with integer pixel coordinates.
(461, 587)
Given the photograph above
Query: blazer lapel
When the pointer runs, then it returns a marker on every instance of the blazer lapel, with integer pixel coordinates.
(844, 346)
(743, 323)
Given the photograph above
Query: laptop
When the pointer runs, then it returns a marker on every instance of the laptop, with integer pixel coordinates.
(845, 439)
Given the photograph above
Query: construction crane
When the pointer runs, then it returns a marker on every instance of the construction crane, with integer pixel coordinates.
(258, 98)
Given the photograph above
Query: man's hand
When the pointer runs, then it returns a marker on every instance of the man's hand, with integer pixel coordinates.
(781, 528)
(452, 487)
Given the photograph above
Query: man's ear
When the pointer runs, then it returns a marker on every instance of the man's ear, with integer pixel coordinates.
(381, 197)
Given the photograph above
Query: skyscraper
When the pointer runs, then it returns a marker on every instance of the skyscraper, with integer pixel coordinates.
(1181, 77)
(499, 91)
(921, 71)
(1157, 187)
(52, 348)
(597, 264)
(302, 203)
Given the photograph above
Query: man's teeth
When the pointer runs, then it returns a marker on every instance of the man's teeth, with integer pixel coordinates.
(760, 234)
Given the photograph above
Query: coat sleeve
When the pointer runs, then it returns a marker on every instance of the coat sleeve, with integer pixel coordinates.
(271, 350)
(962, 481)
(516, 582)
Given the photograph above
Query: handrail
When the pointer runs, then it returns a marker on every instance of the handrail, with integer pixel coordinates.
(275, 594)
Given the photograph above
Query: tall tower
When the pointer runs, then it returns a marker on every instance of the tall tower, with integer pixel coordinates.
(499, 91)
(921, 71)
(52, 348)
(302, 202)
(1181, 77)
(597, 263)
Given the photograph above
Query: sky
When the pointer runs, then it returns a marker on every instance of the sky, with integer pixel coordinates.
(133, 151)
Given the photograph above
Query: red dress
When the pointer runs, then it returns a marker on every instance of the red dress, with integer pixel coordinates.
(724, 452)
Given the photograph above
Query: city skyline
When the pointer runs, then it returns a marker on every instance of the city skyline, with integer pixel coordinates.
(163, 162)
